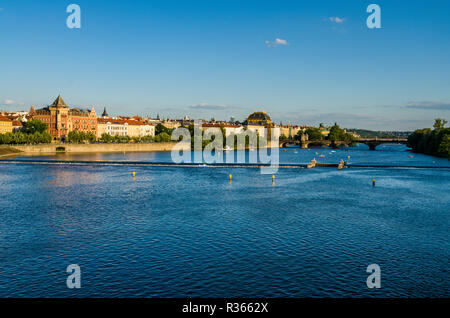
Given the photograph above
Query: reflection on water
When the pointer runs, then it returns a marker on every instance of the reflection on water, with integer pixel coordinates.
(175, 232)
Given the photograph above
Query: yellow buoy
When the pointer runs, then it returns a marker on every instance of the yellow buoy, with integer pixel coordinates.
(134, 174)
(231, 177)
(373, 182)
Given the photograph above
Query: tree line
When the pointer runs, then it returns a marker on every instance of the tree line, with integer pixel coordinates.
(36, 132)
(434, 142)
(33, 132)
(336, 134)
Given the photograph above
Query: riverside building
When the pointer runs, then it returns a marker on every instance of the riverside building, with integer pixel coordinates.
(61, 119)
(124, 127)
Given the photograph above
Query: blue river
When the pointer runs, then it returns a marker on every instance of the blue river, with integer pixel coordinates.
(190, 232)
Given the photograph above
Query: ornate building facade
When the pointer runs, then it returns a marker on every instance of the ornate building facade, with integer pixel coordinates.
(261, 123)
(61, 119)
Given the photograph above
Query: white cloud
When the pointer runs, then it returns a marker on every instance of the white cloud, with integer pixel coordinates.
(10, 102)
(337, 20)
(277, 42)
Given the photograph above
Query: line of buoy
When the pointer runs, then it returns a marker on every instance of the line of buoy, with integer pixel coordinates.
(196, 165)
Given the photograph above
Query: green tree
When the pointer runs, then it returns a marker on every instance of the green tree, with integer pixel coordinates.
(73, 137)
(160, 128)
(433, 142)
(21, 138)
(106, 138)
(336, 133)
(34, 126)
(440, 123)
(162, 137)
(339, 134)
(312, 132)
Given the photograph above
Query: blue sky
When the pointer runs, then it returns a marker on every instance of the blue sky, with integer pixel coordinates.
(222, 58)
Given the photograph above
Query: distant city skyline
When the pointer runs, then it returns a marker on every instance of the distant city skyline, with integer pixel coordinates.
(302, 62)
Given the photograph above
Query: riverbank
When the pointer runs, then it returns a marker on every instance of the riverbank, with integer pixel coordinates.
(431, 142)
(46, 149)
(90, 148)
(7, 151)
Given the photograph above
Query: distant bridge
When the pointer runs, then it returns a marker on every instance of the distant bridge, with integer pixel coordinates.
(371, 142)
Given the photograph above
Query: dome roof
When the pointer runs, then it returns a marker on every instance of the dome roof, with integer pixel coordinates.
(258, 118)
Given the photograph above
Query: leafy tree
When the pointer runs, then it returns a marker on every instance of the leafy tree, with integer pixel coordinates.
(77, 137)
(313, 133)
(34, 126)
(162, 137)
(160, 128)
(433, 142)
(21, 138)
(440, 123)
(336, 133)
(147, 138)
(339, 134)
(106, 138)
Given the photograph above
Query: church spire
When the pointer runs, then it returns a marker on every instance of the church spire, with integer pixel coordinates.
(32, 112)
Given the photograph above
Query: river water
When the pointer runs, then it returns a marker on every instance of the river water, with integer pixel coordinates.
(189, 232)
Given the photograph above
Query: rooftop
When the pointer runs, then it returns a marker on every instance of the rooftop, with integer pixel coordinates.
(59, 102)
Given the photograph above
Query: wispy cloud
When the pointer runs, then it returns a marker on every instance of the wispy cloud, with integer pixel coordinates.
(207, 106)
(277, 42)
(10, 102)
(429, 105)
(337, 20)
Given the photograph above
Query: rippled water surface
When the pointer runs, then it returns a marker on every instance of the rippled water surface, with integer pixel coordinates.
(175, 232)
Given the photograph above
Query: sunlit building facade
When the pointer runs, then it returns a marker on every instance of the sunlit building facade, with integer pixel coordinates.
(61, 119)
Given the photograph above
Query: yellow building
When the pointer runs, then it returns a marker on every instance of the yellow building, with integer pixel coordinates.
(137, 128)
(112, 127)
(6, 125)
(171, 124)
